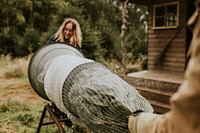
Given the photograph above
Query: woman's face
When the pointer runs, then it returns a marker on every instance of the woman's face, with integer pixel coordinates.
(68, 31)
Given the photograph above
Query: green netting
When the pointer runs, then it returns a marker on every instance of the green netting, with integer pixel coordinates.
(101, 99)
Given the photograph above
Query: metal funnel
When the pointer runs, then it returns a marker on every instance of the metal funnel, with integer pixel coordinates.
(39, 59)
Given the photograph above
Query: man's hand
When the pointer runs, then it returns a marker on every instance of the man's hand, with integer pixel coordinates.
(137, 124)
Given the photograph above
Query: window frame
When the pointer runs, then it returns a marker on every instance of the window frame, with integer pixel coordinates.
(165, 5)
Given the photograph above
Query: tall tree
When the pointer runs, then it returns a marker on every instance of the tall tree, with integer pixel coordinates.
(123, 33)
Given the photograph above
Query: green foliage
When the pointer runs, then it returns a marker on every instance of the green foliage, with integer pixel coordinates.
(144, 63)
(27, 25)
(30, 41)
(23, 118)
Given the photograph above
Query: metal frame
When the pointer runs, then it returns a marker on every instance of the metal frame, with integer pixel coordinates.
(57, 117)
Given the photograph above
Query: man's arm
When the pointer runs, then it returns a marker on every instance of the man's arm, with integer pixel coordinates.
(184, 116)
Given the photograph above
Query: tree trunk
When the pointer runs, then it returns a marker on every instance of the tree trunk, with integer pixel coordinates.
(123, 34)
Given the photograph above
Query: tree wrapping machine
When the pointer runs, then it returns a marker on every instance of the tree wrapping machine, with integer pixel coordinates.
(87, 91)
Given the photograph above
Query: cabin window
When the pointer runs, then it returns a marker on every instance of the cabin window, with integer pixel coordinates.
(166, 15)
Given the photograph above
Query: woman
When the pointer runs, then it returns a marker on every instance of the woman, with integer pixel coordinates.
(69, 32)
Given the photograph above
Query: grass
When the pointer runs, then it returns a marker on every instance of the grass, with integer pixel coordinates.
(13, 68)
(22, 117)
(20, 107)
(19, 116)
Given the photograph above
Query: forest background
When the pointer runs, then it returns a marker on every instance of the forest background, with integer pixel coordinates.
(26, 25)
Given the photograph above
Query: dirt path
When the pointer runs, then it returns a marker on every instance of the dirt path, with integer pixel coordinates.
(12, 90)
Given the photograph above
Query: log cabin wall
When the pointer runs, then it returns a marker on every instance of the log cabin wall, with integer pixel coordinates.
(175, 57)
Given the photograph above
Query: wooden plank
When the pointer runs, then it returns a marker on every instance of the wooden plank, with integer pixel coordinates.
(167, 69)
(177, 55)
(161, 45)
(170, 50)
(169, 64)
(154, 94)
(170, 59)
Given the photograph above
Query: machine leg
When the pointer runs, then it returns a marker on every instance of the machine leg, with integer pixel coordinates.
(57, 117)
(41, 119)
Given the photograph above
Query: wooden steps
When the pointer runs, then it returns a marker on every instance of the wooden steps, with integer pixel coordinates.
(156, 87)
(155, 94)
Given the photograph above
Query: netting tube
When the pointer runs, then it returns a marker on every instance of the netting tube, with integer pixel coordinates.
(92, 95)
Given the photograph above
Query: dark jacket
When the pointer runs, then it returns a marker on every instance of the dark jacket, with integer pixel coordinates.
(53, 39)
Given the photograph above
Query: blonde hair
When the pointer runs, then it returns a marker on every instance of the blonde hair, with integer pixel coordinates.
(76, 38)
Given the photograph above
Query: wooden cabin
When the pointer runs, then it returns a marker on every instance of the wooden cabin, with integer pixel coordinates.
(168, 43)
